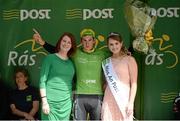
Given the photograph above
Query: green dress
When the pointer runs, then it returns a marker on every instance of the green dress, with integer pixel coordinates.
(56, 77)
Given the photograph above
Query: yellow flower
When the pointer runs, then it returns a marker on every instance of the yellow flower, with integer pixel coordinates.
(149, 37)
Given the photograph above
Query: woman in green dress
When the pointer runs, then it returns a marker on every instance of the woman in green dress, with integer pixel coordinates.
(56, 77)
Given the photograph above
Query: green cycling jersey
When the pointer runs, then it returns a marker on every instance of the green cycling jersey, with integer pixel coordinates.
(89, 71)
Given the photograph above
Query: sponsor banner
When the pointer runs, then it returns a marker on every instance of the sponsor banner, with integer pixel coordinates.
(161, 82)
(51, 19)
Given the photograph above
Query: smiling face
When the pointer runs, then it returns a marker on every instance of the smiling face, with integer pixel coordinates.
(114, 46)
(66, 44)
(88, 43)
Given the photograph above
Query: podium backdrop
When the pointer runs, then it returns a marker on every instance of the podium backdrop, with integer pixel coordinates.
(158, 81)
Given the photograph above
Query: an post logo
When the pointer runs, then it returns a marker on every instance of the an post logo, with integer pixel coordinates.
(34, 14)
(170, 12)
(85, 14)
(24, 14)
(11, 14)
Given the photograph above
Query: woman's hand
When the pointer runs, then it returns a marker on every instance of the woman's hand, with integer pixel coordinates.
(28, 116)
(129, 109)
(45, 108)
(37, 37)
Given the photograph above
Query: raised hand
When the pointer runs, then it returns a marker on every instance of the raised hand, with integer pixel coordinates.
(37, 37)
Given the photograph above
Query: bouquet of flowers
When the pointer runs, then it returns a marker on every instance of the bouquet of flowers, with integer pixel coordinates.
(141, 19)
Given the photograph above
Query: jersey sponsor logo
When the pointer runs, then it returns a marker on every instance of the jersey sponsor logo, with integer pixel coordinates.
(84, 60)
(90, 81)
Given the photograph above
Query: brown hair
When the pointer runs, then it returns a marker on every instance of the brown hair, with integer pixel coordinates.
(117, 36)
(73, 42)
(24, 71)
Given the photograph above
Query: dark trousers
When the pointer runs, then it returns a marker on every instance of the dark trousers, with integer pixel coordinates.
(87, 107)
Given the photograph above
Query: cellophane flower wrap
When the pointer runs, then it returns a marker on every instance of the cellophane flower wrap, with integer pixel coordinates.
(141, 19)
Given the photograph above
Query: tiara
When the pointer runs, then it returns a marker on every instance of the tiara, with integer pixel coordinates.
(113, 34)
